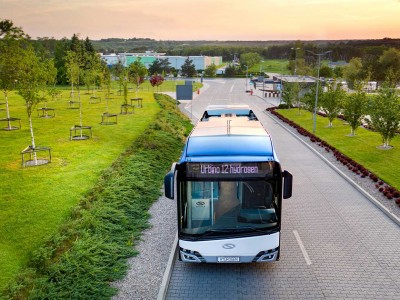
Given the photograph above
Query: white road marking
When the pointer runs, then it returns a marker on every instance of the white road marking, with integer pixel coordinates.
(232, 87)
(302, 248)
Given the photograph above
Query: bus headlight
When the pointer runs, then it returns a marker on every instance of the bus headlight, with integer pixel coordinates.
(190, 256)
(267, 255)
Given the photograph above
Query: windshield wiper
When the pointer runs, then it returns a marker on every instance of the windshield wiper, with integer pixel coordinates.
(233, 229)
(217, 231)
(207, 233)
(250, 228)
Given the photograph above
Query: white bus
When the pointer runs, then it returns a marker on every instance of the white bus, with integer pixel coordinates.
(229, 189)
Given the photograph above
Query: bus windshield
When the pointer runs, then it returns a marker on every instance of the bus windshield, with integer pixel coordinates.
(226, 207)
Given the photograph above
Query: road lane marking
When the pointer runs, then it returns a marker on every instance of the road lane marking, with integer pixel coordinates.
(302, 248)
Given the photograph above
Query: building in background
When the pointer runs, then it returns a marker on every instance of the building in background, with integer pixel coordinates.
(148, 57)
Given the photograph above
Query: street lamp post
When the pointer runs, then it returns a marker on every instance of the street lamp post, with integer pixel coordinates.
(295, 59)
(316, 92)
(247, 70)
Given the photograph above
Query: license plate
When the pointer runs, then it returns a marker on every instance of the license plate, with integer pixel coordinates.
(228, 259)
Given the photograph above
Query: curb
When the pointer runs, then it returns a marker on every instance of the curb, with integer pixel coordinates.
(162, 292)
(393, 217)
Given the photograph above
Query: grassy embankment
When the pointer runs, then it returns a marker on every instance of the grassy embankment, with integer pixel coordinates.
(279, 66)
(36, 201)
(363, 148)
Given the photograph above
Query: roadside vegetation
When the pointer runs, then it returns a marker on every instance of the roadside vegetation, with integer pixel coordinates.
(359, 153)
(363, 127)
(102, 220)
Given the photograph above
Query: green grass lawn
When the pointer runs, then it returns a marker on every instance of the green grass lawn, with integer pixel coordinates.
(272, 66)
(35, 201)
(362, 148)
(90, 248)
(169, 84)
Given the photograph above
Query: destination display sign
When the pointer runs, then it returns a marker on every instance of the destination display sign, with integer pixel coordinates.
(232, 170)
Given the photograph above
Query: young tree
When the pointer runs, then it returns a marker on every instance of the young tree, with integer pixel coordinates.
(106, 78)
(325, 71)
(389, 63)
(117, 71)
(354, 107)
(124, 81)
(51, 78)
(210, 71)
(92, 71)
(32, 79)
(11, 54)
(73, 64)
(12, 41)
(338, 72)
(331, 101)
(384, 111)
(230, 71)
(298, 96)
(250, 59)
(137, 72)
(188, 69)
(309, 98)
(290, 93)
(156, 80)
(353, 72)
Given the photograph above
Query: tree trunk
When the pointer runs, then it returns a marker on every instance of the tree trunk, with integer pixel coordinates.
(32, 139)
(72, 91)
(7, 110)
(125, 93)
(385, 143)
(80, 109)
(137, 88)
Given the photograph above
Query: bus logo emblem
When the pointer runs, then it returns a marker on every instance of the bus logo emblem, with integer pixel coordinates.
(228, 246)
(200, 203)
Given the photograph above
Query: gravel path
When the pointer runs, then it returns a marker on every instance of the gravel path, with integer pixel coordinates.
(146, 270)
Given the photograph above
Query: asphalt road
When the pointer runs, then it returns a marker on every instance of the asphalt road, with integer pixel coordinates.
(335, 243)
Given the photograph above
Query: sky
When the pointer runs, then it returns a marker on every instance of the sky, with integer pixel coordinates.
(244, 20)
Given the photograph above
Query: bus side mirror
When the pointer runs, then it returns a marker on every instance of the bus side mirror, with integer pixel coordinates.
(169, 183)
(287, 185)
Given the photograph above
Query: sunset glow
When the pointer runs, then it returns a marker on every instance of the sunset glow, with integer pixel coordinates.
(207, 19)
